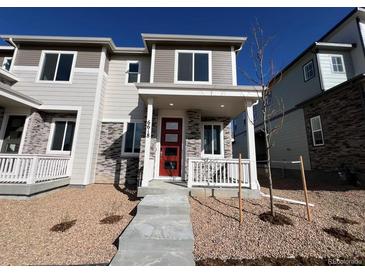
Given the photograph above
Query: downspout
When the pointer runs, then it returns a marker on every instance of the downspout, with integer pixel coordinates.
(11, 42)
(360, 34)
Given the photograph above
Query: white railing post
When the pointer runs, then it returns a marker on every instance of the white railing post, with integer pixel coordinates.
(190, 174)
(33, 171)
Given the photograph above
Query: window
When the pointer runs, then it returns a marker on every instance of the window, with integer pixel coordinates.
(317, 133)
(13, 134)
(57, 67)
(337, 64)
(133, 72)
(7, 63)
(62, 132)
(212, 139)
(193, 66)
(132, 138)
(308, 70)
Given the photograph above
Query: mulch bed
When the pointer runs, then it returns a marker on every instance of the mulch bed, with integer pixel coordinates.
(27, 228)
(277, 219)
(62, 227)
(282, 206)
(221, 240)
(342, 235)
(111, 219)
(344, 220)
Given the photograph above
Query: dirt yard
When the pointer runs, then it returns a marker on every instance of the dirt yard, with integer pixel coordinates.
(70, 226)
(336, 232)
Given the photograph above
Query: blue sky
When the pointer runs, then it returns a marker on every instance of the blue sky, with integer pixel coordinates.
(294, 29)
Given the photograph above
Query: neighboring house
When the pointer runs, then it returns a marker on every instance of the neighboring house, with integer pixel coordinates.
(78, 110)
(328, 129)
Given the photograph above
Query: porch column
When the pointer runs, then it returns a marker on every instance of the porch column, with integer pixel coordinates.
(251, 150)
(147, 163)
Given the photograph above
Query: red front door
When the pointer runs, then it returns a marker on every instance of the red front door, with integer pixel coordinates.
(171, 140)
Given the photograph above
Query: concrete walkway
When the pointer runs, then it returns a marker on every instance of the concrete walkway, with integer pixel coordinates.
(160, 234)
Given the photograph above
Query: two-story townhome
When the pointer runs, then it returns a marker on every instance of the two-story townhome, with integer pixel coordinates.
(80, 110)
(322, 91)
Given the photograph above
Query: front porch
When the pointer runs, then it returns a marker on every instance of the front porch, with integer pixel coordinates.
(30, 174)
(35, 144)
(204, 138)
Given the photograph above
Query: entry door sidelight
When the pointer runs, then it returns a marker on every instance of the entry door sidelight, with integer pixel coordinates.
(171, 142)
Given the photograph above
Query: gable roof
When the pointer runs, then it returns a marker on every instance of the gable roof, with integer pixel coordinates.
(148, 40)
(320, 42)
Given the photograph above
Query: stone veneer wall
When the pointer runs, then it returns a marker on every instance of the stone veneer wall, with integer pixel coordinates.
(193, 141)
(38, 131)
(111, 167)
(342, 117)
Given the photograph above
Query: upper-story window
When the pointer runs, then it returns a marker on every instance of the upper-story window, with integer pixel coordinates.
(308, 71)
(7, 63)
(337, 64)
(193, 66)
(57, 66)
(133, 74)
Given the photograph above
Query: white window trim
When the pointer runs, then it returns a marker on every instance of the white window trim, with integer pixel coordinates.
(127, 72)
(176, 67)
(221, 154)
(343, 64)
(51, 135)
(4, 62)
(41, 63)
(304, 70)
(125, 126)
(313, 131)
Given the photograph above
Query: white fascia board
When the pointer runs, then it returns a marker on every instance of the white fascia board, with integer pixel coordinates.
(196, 92)
(19, 99)
(8, 76)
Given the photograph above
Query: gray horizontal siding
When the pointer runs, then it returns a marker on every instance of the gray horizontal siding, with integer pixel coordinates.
(221, 64)
(329, 78)
(288, 144)
(86, 57)
(121, 101)
(80, 93)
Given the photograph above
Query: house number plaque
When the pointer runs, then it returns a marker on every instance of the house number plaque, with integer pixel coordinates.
(148, 127)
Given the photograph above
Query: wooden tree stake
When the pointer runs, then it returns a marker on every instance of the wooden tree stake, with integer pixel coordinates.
(304, 187)
(240, 187)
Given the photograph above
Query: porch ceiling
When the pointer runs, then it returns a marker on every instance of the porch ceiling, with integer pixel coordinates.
(219, 106)
(212, 101)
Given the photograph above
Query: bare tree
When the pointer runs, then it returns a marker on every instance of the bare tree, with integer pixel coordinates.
(265, 78)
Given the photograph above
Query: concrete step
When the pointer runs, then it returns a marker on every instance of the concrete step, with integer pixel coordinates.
(174, 204)
(144, 191)
(154, 258)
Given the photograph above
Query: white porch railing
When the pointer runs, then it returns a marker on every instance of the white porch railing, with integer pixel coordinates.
(218, 172)
(29, 169)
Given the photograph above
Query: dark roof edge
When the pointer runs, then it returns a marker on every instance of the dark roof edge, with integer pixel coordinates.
(314, 44)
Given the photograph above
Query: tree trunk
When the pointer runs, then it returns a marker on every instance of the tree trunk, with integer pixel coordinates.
(268, 155)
